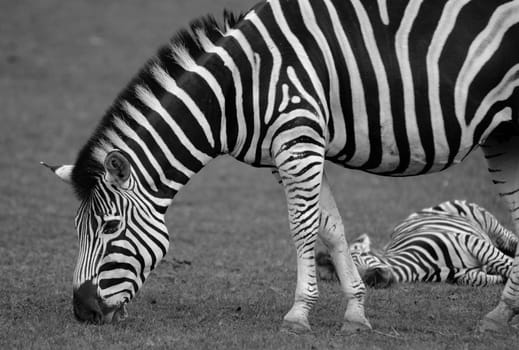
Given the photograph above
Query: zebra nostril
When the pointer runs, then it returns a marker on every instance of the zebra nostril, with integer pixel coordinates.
(85, 304)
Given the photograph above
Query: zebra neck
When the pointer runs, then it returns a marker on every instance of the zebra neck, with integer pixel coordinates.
(166, 127)
(184, 108)
(193, 127)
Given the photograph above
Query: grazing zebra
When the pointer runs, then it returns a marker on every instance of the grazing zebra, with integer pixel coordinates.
(454, 242)
(397, 88)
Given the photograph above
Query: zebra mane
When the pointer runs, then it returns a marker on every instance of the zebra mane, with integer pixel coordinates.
(185, 45)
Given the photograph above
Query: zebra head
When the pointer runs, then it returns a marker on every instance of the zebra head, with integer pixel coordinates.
(122, 238)
(373, 270)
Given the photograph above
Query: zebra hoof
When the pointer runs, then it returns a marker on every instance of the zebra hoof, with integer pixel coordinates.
(295, 327)
(350, 327)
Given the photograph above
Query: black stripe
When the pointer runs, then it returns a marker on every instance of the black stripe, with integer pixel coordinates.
(419, 40)
(110, 282)
(117, 265)
(350, 23)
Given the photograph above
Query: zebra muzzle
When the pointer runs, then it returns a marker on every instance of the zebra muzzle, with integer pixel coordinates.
(116, 315)
(121, 314)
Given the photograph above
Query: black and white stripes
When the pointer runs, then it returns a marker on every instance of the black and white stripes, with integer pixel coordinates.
(455, 242)
(395, 88)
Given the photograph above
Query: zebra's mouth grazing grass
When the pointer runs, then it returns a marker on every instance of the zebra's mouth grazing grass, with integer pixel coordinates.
(120, 314)
(117, 314)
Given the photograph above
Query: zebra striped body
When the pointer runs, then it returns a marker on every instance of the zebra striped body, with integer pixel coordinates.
(394, 88)
(454, 242)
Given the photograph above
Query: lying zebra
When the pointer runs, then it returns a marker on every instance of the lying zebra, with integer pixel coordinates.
(454, 242)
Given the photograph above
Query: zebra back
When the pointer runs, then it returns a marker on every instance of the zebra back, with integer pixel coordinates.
(458, 216)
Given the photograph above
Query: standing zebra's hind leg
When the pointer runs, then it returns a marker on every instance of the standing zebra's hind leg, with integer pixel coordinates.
(476, 277)
(332, 234)
(502, 153)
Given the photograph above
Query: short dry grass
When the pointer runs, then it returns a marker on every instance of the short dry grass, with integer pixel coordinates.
(61, 64)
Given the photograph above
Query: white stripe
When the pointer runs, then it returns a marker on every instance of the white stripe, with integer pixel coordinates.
(101, 150)
(136, 115)
(292, 76)
(402, 54)
(122, 243)
(119, 143)
(254, 61)
(149, 99)
(150, 230)
(443, 30)
(360, 114)
(282, 119)
(183, 58)
(131, 134)
(169, 84)
(386, 119)
(339, 141)
(293, 40)
(276, 63)
(149, 197)
(191, 66)
(228, 61)
(481, 50)
(285, 99)
(382, 8)
(501, 92)
(147, 246)
(141, 250)
(118, 273)
(121, 286)
(503, 115)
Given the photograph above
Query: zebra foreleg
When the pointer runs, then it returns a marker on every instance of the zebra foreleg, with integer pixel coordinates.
(476, 277)
(300, 160)
(504, 239)
(332, 234)
(494, 260)
(502, 153)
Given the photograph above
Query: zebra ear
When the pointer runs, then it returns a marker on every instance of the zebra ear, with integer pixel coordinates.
(118, 167)
(366, 242)
(362, 244)
(64, 172)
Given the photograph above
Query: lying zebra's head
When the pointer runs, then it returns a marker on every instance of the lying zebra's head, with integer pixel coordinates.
(122, 237)
(373, 271)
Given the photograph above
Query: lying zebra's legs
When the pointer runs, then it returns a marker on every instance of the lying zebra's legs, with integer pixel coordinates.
(488, 255)
(502, 154)
(332, 235)
(300, 165)
(478, 278)
(504, 239)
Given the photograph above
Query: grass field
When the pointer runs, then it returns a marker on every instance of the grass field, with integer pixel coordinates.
(61, 65)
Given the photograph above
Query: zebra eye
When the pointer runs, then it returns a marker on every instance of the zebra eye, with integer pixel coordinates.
(111, 226)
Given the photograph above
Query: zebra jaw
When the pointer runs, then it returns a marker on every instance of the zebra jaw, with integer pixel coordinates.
(64, 172)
